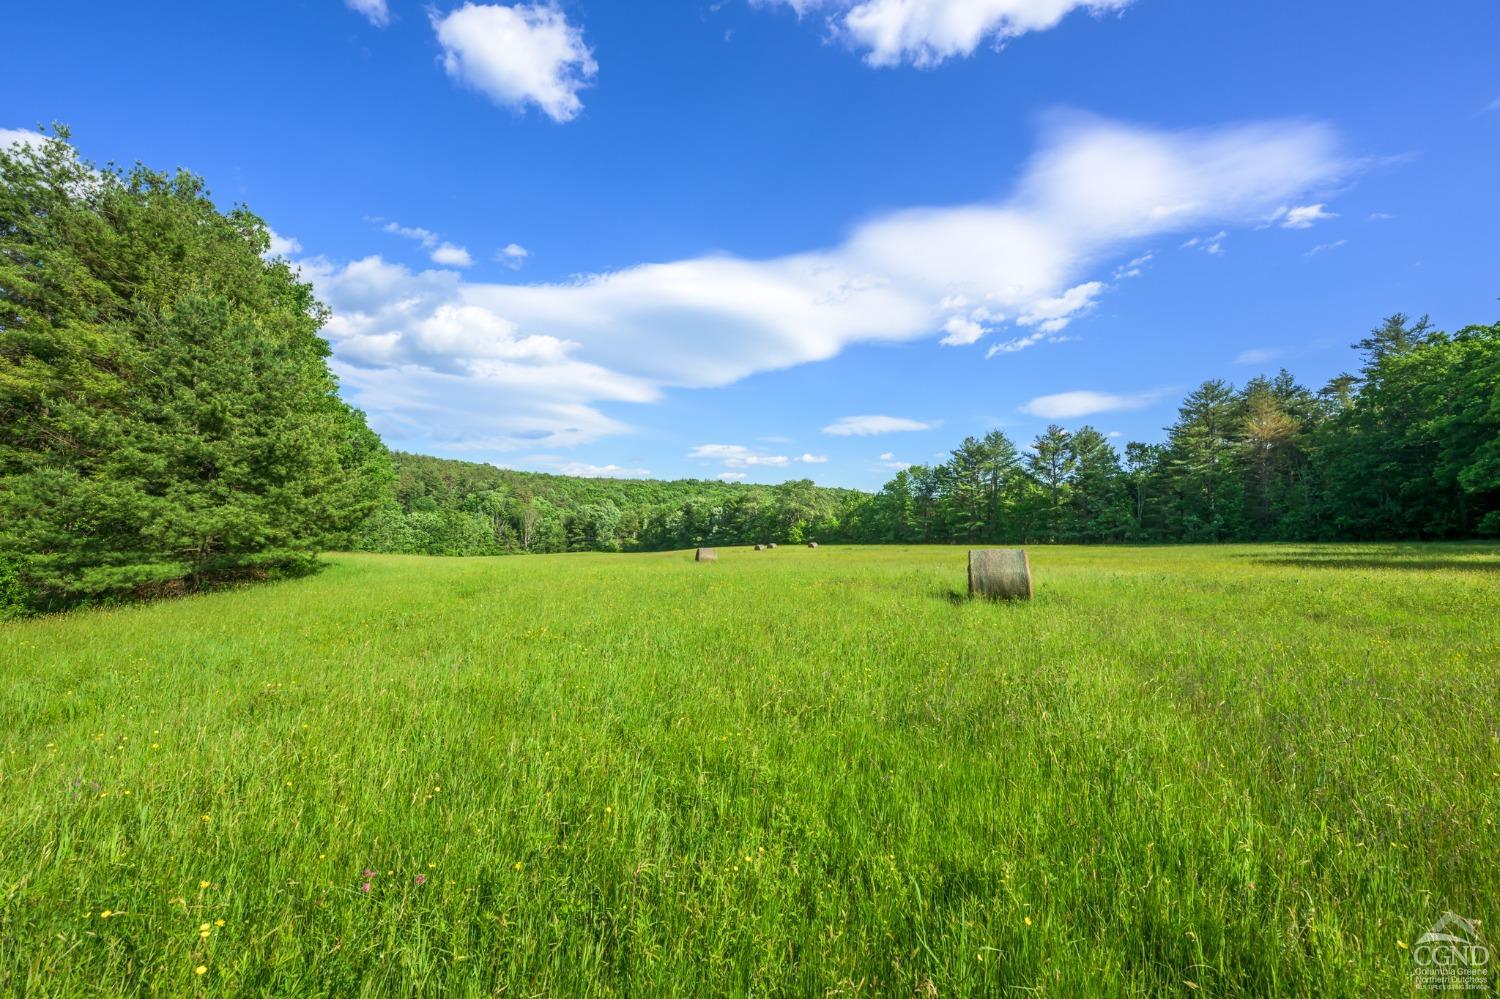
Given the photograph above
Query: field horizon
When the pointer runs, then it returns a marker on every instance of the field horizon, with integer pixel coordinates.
(1222, 770)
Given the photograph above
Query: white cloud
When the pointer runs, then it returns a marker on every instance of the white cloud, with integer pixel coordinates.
(1067, 405)
(1325, 247)
(889, 460)
(1052, 314)
(20, 137)
(737, 456)
(962, 331)
(869, 426)
(374, 10)
(449, 255)
(814, 459)
(1259, 355)
(503, 364)
(731, 476)
(282, 246)
(926, 32)
(1134, 268)
(1305, 216)
(584, 470)
(526, 54)
(439, 251)
(1381, 216)
(513, 255)
(1212, 245)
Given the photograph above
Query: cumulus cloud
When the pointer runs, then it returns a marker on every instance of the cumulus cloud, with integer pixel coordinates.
(1068, 405)
(869, 426)
(452, 256)
(517, 56)
(924, 33)
(732, 476)
(375, 11)
(502, 363)
(814, 459)
(20, 137)
(282, 246)
(1304, 216)
(513, 255)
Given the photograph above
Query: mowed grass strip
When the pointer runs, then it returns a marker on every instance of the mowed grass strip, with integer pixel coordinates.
(1235, 771)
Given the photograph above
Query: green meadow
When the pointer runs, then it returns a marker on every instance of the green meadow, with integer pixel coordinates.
(1219, 771)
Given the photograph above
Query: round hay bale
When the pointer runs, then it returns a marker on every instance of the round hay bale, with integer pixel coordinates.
(771, 545)
(759, 547)
(1000, 574)
(707, 555)
(812, 544)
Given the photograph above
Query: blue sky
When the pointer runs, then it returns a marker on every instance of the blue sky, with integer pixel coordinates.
(821, 238)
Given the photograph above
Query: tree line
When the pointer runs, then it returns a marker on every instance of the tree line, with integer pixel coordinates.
(1407, 448)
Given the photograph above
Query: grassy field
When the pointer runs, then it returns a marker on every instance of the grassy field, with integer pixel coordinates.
(1211, 771)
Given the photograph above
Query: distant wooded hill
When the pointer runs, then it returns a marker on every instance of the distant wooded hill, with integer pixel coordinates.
(446, 507)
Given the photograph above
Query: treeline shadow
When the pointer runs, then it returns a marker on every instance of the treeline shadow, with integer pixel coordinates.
(1462, 558)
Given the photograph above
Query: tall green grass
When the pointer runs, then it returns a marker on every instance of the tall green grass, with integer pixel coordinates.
(1228, 771)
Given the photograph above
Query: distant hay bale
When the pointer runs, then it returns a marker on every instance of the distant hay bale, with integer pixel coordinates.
(771, 545)
(812, 544)
(707, 555)
(1000, 574)
(759, 547)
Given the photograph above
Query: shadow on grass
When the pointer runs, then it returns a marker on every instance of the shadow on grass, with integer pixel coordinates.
(1413, 558)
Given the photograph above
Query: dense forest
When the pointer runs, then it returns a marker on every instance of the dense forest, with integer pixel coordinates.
(168, 421)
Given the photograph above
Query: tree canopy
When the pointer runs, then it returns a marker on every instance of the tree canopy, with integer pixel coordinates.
(167, 415)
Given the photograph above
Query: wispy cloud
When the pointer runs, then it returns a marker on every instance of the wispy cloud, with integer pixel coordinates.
(439, 251)
(1264, 355)
(1305, 216)
(1325, 247)
(1068, 405)
(1211, 245)
(1134, 268)
(500, 363)
(869, 426)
